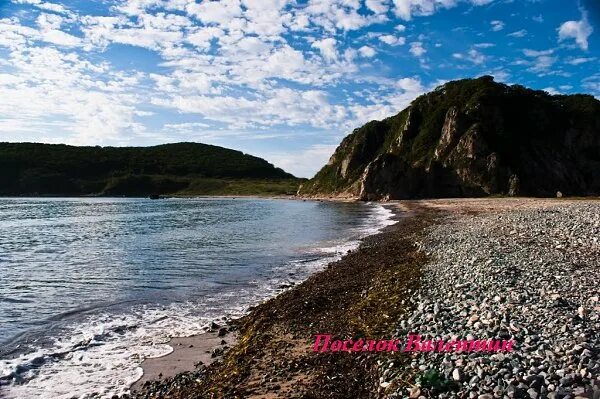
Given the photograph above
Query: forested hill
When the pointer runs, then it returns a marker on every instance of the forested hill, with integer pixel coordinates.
(187, 168)
(470, 138)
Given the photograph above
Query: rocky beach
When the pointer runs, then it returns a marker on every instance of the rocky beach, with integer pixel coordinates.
(521, 269)
(531, 274)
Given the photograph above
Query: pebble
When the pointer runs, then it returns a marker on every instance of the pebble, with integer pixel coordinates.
(456, 375)
(530, 275)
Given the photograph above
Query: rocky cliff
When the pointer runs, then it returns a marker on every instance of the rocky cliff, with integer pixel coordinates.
(467, 138)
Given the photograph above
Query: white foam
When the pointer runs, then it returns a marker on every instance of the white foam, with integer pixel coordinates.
(101, 355)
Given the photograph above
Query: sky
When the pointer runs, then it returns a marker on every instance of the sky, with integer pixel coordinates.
(283, 80)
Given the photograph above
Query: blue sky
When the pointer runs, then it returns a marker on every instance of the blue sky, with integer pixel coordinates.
(284, 80)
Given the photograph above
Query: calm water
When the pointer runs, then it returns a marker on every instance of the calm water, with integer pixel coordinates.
(90, 287)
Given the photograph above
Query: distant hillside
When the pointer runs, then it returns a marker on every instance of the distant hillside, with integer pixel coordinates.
(472, 137)
(186, 168)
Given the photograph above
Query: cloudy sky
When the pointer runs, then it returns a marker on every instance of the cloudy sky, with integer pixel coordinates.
(285, 80)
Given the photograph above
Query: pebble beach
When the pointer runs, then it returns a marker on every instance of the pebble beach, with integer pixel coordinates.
(530, 275)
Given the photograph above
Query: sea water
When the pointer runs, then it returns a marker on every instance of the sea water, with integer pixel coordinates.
(89, 287)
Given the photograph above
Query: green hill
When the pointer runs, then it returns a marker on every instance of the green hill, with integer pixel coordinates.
(472, 137)
(181, 168)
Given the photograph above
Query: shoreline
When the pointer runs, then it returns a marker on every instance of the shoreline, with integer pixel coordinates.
(363, 294)
(279, 317)
(195, 353)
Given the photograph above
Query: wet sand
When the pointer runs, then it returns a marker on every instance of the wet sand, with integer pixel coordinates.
(189, 353)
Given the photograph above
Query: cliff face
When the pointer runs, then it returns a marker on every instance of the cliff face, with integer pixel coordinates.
(471, 138)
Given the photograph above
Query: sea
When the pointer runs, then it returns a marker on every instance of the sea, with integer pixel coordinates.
(90, 287)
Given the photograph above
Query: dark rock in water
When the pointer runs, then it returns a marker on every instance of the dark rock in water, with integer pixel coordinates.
(469, 138)
(214, 326)
(222, 332)
(154, 196)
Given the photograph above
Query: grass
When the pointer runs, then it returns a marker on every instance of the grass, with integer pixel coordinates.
(264, 187)
(168, 185)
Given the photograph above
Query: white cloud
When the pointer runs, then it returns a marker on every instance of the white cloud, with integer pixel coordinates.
(47, 6)
(476, 57)
(49, 86)
(203, 37)
(382, 106)
(50, 32)
(266, 19)
(392, 40)
(16, 36)
(592, 84)
(136, 7)
(543, 63)
(186, 127)
(221, 12)
(410, 85)
(342, 15)
(252, 45)
(234, 54)
(537, 53)
(60, 38)
(367, 51)
(578, 30)
(472, 55)
(497, 25)
(417, 49)
(49, 21)
(151, 32)
(519, 33)
(327, 48)
(406, 9)
(580, 60)
(377, 6)
(277, 107)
